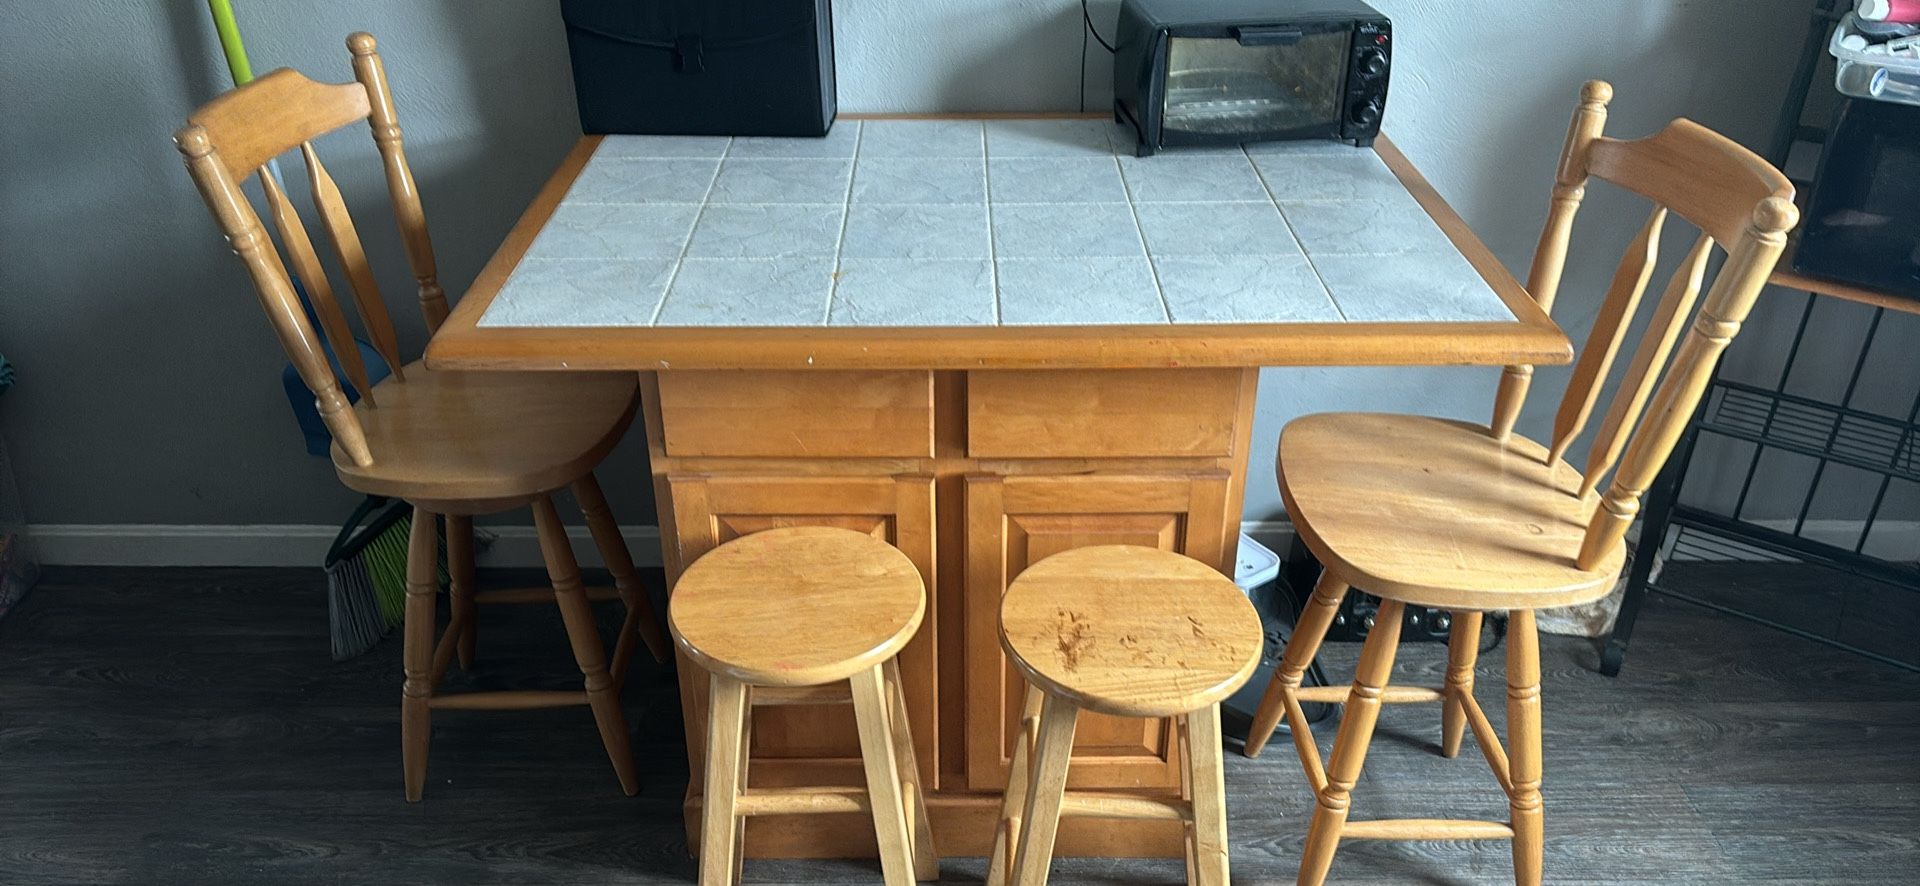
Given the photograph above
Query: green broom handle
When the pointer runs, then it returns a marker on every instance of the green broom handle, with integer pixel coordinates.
(230, 40)
(236, 52)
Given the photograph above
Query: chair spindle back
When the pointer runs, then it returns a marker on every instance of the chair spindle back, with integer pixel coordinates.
(233, 137)
(1739, 202)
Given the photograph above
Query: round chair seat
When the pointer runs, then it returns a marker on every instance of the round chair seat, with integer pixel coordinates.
(802, 606)
(1130, 631)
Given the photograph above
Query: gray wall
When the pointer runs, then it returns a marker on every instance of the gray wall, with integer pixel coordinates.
(149, 383)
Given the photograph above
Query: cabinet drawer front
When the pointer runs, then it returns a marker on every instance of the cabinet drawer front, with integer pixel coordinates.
(828, 414)
(1118, 413)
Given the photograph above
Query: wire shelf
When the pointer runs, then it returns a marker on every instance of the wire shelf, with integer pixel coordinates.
(1837, 434)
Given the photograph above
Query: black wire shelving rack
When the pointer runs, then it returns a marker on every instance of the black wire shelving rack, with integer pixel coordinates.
(1770, 418)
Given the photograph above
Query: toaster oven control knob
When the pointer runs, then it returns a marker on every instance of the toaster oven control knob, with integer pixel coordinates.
(1373, 63)
(1365, 114)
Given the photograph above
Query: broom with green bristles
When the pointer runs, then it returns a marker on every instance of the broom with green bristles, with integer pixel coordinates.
(367, 576)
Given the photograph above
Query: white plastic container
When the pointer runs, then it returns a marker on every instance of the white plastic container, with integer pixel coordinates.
(1865, 73)
(1254, 565)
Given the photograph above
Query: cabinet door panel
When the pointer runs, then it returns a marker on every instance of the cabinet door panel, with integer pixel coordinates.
(814, 744)
(1013, 522)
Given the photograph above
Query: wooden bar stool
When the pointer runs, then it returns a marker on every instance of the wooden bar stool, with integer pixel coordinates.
(453, 444)
(1131, 632)
(1474, 518)
(779, 617)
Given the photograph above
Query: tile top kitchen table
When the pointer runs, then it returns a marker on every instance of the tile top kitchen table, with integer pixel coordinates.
(972, 225)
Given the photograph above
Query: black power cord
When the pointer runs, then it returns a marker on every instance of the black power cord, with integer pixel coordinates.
(1086, 18)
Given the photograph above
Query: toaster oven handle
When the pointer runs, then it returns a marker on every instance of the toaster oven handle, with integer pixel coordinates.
(1267, 35)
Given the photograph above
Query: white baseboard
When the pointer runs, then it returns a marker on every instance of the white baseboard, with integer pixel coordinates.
(144, 544)
(139, 544)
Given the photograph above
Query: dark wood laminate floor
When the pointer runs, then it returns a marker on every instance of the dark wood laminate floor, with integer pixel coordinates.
(186, 726)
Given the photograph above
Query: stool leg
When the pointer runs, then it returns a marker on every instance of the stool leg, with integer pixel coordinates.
(870, 703)
(1207, 774)
(602, 694)
(740, 785)
(1350, 747)
(926, 862)
(1463, 648)
(1315, 619)
(1046, 787)
(720, 825)
(640, 619)
(416, 692)
(1013, 800)
(1183, 744)
(460, 587)
(1523, 739)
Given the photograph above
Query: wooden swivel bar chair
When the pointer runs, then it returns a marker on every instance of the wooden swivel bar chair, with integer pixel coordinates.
(1474, 519)
(452, 444)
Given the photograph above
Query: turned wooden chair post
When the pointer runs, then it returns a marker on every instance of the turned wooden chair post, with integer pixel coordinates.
(416, 692)
(626, 579)
(1550, 256)
(1334, 800)
(1463, 651)
(520, 436)
(1472, 519)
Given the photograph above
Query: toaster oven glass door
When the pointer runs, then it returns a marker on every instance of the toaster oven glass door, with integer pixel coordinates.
(1223, 88)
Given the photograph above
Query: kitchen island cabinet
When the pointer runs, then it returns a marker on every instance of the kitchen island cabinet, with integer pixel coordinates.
(978, 374)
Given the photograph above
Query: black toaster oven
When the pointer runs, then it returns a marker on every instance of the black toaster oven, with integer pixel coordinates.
(1209, 72)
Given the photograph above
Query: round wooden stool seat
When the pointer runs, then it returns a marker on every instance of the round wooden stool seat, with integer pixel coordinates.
(802, 606)
(1130, 631)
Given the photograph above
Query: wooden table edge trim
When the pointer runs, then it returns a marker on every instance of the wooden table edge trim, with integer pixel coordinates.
(462, 344)
(1498, 278)
(474, 303)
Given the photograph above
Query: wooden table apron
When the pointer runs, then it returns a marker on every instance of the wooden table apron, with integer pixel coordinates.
(976, 451)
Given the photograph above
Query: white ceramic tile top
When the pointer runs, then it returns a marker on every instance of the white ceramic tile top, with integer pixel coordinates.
(977, 223)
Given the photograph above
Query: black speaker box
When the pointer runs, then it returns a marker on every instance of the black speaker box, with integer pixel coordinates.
(702, 67)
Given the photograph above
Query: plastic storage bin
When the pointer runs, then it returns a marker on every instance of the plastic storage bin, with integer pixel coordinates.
(1254, 564)
(1875, 75)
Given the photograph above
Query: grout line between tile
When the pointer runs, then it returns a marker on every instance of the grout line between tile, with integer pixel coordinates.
(993, 238)
(846, 217)
(1296, 237)
(687, 244)
(1140, 231)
